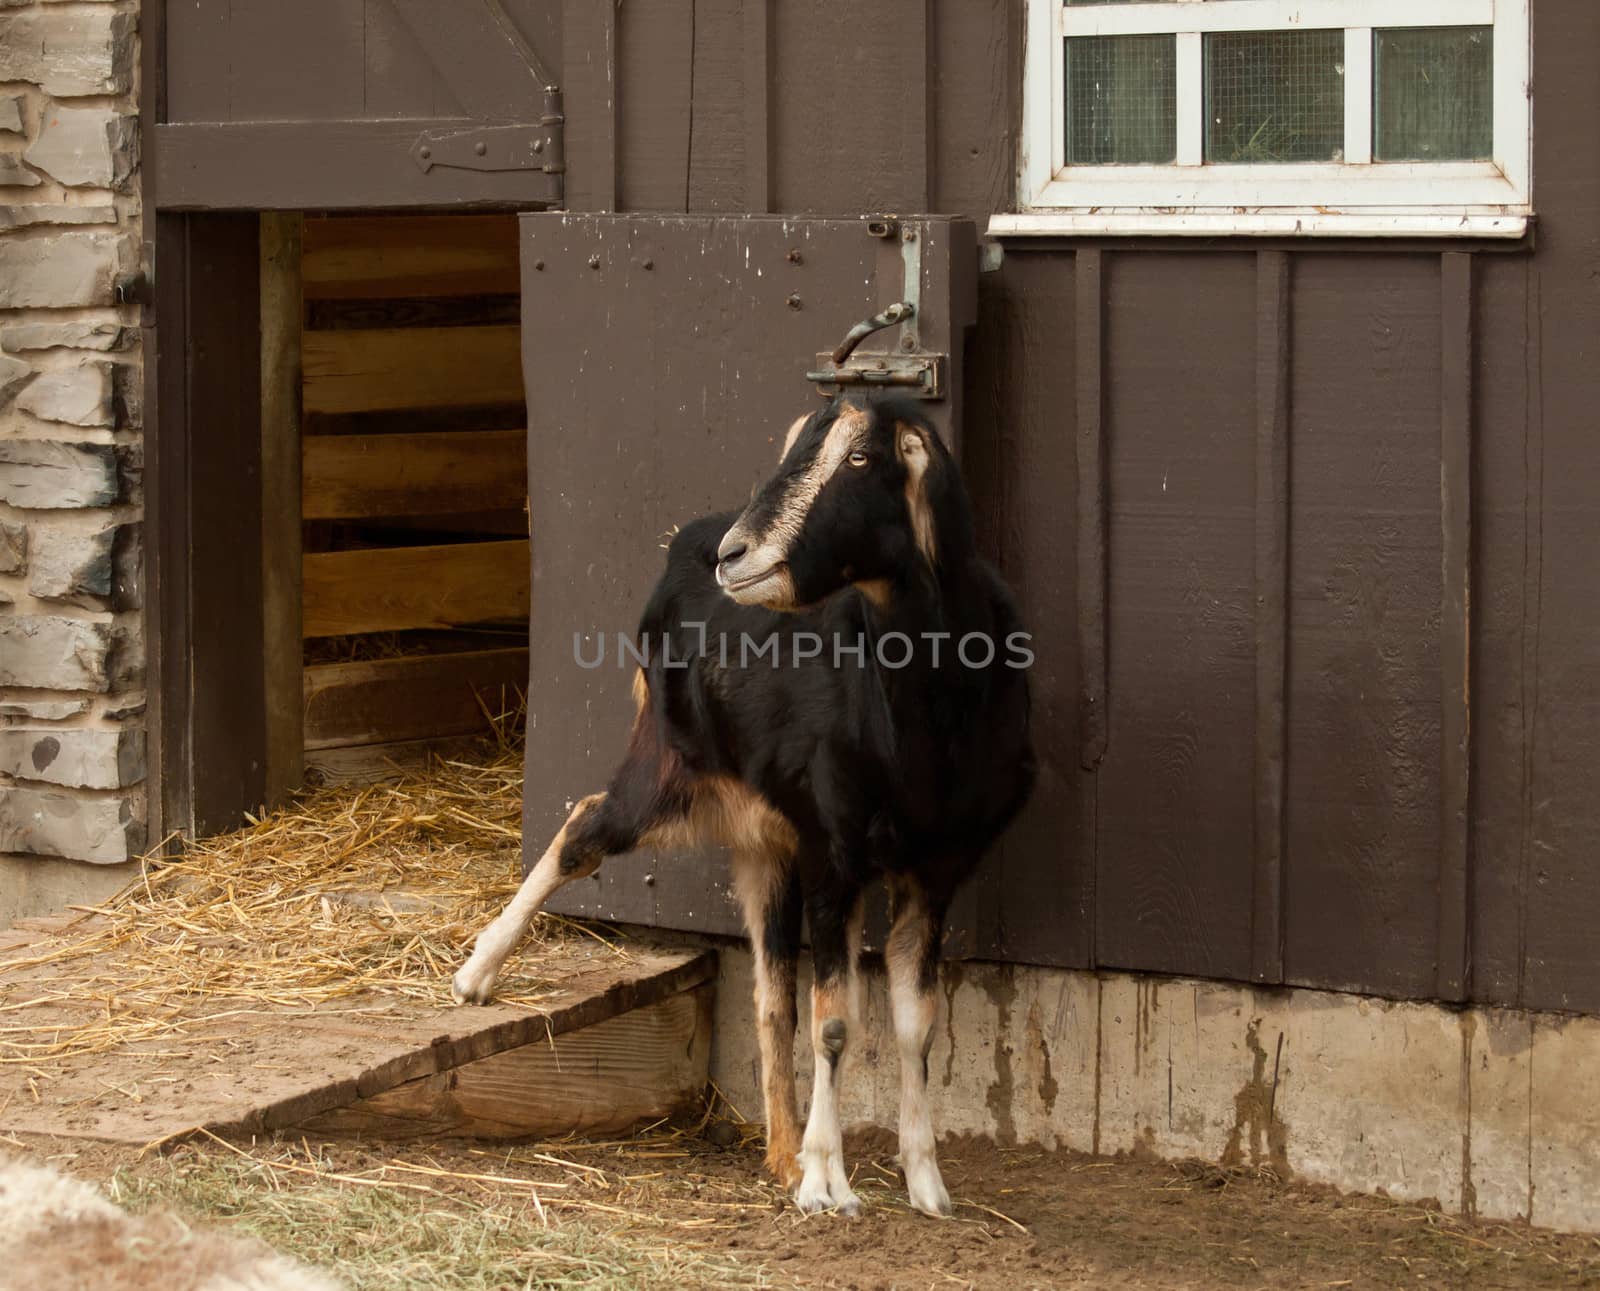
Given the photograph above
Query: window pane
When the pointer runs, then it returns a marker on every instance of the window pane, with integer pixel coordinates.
(1121, 99)
(1274, 96)
(1433, 94)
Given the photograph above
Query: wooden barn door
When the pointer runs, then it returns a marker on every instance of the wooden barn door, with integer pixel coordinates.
(663, 358)
(333, 104)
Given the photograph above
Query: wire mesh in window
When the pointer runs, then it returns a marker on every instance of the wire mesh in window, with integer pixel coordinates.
(1433, 94)
(1274, 96)
(1121, 100)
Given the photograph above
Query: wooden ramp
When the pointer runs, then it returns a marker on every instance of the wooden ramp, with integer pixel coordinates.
(618, 1037)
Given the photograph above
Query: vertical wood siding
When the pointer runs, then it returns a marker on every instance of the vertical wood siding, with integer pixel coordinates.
(1306, 534)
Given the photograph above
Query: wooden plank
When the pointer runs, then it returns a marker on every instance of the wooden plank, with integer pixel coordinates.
(1089, 366)
(392, 589)
(758, 105)
(349, 476)
(410, 698)
(1271, 608)
(280, 500)
(490, 68)
(655, 110)
(326, 165)
(223, 672)
(422, 367)
(1361, 823)
(589, 68)
(364, 257)
(638, 1066)
(1176, 809)
(1455, 609)
(279, 1067)
(1562, 969)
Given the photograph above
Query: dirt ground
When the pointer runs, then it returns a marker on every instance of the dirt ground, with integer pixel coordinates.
(693, 1206)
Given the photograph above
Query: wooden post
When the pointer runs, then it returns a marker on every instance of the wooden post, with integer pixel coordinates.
(280, 500)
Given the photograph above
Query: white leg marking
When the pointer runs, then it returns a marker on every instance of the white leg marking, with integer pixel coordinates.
(913, 1027)
(474, 983)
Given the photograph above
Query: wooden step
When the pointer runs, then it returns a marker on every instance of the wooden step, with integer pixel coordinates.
(623, 1037)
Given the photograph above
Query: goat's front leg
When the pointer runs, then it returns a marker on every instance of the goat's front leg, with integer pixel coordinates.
(562, 862)
(913, 961)
(835, 1014)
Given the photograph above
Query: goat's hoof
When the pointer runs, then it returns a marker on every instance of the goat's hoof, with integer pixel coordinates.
(470, 986)
(815, 1199)
(927, 1192)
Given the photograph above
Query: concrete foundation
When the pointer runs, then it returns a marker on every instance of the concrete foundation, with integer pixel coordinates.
(32, 886)
(1490, 1112)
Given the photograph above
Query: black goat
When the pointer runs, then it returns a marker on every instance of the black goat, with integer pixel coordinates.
(832, 726)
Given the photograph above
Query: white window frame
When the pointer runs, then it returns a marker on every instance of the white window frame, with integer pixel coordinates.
(1356, 197)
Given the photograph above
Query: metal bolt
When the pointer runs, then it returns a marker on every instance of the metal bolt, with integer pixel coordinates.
(794, 302)
(649, 880)
(538, 145)
(794, 255)
(425, 153)
(539, 265)
(594, 262)
(480, 148)
(910, 235)
(649, 264)
(908, 343)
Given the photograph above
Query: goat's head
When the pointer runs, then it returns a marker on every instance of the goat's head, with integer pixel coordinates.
(856, 499)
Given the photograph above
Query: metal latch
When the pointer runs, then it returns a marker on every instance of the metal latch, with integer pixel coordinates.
(921, 374)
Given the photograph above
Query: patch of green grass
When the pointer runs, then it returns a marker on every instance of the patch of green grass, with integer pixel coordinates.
(421, 1239)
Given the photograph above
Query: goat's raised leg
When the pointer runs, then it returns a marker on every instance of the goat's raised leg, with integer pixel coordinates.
(835, 1013)
(769, 891)
(572, 854)
(912, 955)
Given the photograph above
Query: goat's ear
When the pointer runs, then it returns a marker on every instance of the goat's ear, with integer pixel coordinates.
(793, 434)
(911, 447)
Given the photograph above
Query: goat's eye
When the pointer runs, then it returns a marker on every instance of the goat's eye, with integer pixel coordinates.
(858, 458)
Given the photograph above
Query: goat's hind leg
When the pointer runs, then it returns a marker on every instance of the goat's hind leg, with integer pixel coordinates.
(572, 854)
(835, 1013)
(912, 955)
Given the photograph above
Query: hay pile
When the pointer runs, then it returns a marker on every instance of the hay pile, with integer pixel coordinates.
(350, 890)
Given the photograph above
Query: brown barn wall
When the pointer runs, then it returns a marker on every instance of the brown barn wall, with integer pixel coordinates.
(1165, 856)
(1346, 735)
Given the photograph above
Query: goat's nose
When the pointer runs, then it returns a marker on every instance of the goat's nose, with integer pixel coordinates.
(731, 549)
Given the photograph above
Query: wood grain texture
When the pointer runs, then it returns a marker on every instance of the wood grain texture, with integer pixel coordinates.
(413, 475)
(638, 1066)
(417, 697)
(589, 71)
(1455, 629)
(490, 69)
(836, 98)
(1362, 833)
(418, 367)
(361, 257)
(1271, 611)
(1506, 522)
(758, 114)
(1035, 892)
(655, 104)
(1089, 374)
(1562, 970)
(281, 309)
(1175, 789)
(329, 165)
(393, 589)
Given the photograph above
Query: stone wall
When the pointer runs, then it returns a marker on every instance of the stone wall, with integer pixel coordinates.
(71, 651)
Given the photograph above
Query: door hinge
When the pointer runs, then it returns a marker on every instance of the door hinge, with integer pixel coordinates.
(535, 146)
